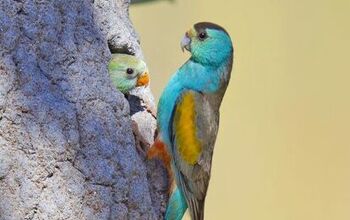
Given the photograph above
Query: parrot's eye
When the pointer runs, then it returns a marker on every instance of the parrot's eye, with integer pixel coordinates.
(202, 35)
(129, 71)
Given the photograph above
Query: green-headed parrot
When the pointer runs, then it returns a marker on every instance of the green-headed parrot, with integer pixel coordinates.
(127, 72)
(188, 115)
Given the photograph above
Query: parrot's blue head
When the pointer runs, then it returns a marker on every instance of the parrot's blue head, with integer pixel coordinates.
(208, 43)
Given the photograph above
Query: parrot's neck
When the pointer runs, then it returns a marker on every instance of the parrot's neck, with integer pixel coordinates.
(205, 78)
(217, 79)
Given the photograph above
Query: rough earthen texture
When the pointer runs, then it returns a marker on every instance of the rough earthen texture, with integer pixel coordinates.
(67, 149)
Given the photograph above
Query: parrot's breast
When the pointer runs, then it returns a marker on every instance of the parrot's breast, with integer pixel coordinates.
(187, 142)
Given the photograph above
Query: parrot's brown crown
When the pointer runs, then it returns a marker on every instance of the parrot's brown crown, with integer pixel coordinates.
(201, 26)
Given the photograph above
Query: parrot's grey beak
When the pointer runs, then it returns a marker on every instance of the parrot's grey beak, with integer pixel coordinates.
(186, 43)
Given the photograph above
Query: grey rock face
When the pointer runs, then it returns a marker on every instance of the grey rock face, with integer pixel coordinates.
(67, 149)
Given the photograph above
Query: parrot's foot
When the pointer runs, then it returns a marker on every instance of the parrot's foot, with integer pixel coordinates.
(141, 151)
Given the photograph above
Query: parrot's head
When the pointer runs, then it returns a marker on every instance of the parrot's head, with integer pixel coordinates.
(127, 72)
(208, 43)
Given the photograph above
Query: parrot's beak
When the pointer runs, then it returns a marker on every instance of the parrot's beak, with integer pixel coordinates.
(143, 79)
(186, 42)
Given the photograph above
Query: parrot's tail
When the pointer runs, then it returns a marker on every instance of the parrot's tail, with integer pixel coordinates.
(176, 207)
(196, 208)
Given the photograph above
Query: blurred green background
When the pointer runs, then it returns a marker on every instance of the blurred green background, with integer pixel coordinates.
(283, 150)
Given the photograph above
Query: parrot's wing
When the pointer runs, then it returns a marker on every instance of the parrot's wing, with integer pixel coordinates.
(194, 129)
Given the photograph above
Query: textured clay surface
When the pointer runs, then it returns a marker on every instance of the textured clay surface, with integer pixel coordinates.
(67, 149)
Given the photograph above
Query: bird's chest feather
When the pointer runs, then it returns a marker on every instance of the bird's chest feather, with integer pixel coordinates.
(188, 144)
(196, 77)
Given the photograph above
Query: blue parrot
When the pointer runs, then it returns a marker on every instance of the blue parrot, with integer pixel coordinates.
(188, 115)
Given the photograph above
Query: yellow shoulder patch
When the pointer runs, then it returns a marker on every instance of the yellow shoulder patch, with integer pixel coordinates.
(187, 142)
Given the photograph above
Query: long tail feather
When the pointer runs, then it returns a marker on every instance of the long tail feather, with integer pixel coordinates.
(196, 209)
(176, 207)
